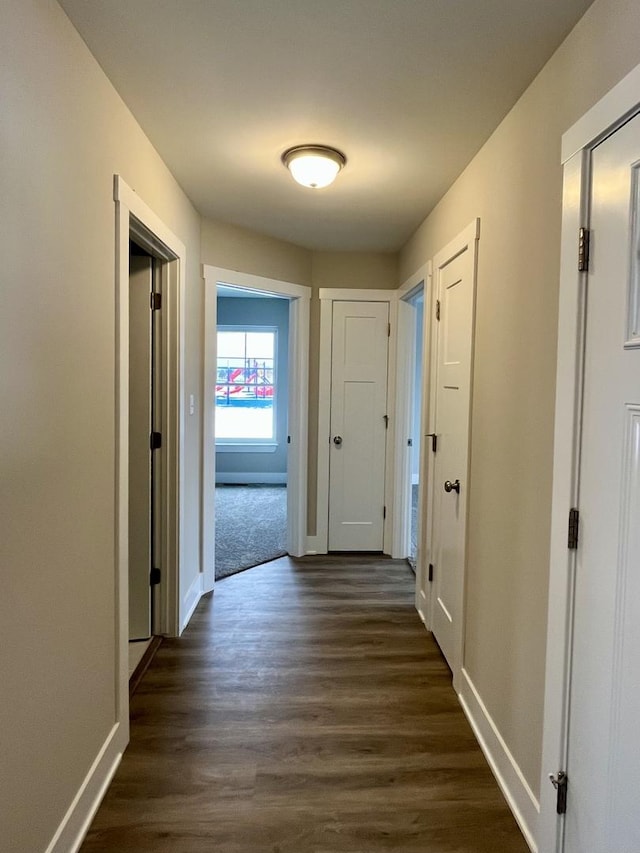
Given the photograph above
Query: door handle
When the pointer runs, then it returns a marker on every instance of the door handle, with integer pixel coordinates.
(337, 440)
(452, 487)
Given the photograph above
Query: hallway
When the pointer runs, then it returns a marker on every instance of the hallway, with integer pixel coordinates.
(304, 710)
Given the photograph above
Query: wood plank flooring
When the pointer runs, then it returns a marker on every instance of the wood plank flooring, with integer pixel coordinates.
(304, 710)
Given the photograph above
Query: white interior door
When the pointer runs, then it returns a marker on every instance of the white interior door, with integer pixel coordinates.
(454, 271)
(603, 767)
(140, 418)
(360, 345)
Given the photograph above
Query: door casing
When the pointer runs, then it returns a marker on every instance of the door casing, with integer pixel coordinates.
(299, 296)
(134, 219)
(604, 118)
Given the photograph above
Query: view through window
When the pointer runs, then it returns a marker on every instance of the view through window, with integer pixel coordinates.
(246, 386)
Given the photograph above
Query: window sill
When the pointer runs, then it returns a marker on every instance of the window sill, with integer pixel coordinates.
(233, 447)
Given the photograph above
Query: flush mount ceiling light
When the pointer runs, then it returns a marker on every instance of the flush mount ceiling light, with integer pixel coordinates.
(314, 166)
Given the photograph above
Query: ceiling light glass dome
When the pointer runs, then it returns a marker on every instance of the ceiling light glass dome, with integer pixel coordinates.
(314, 166)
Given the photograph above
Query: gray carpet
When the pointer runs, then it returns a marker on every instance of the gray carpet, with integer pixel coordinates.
(251, 527)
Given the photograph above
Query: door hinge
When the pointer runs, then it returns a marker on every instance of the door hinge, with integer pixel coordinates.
(384, 512)
(409, 442)
(434, 441)
(430, 572)
(156, 301)
(288, 439)
(437, 309)
(155, 576)
(559, 782)
(583, 249)
(574, 527)
(388, 330)
(386, 421)
(155, 440)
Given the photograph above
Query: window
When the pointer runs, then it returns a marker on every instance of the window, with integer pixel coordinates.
(246, 385)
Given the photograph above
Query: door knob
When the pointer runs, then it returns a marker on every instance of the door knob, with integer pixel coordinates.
(452, 487)
(337, 440)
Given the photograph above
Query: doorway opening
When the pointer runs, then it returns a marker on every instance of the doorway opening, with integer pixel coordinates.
(145, 495)
(409, 405)
(411, 417)
(251, 429)
(255, 409)
(416, 301)
(159, 262)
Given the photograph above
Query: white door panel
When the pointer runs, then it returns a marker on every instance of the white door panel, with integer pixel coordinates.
(358, 434)
(140, 403)
(603, 766)
(455, 287)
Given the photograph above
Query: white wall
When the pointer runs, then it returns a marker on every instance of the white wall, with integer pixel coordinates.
(240, 249)
(64, 132)
(514, 185)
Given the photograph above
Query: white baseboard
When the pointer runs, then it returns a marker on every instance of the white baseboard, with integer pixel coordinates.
(421, 607)
(314, 546)
(250, 478)
(75, 824)
(519, 796)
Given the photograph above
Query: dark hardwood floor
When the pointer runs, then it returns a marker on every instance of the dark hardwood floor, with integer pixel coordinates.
(304, 710)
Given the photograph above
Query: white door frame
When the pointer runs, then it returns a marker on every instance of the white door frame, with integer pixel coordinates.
(604, 118)
(420, 280)
(299, 296)
(135, 219)
(319, 543)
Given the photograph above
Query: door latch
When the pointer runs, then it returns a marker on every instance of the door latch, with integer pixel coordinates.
(559, 782)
